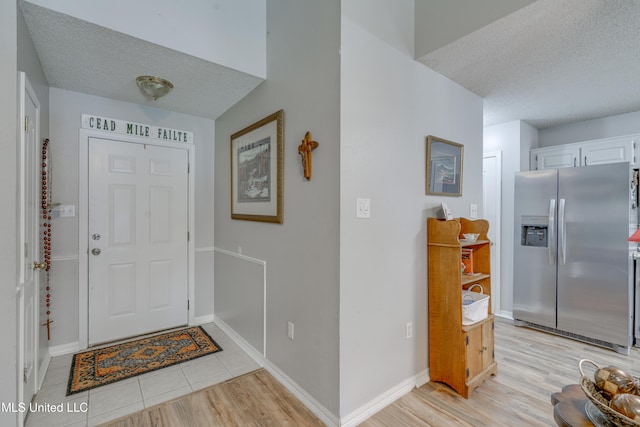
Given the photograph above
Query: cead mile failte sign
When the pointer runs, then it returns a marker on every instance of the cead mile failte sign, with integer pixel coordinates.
(135, 129)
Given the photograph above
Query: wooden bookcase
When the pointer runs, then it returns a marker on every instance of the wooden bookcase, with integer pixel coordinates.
(461, 356)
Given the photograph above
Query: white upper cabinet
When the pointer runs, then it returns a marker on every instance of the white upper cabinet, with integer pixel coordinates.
(598, 152)
(562, 156)
(613, 150)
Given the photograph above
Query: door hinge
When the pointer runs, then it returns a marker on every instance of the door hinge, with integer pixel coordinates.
(188, 236)
(187, 305)
(26, 124)
(467, 372)
(466, 340)
(188, 167)
(24, 374)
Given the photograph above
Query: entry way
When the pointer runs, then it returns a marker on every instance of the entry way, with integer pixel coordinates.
(138, 238)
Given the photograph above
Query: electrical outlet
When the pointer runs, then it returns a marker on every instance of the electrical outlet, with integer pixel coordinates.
(409, 330)
(290, 330)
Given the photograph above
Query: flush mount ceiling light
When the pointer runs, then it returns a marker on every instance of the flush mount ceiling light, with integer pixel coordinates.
(154, 87)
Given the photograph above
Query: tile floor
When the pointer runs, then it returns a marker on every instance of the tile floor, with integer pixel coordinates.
(112, 401)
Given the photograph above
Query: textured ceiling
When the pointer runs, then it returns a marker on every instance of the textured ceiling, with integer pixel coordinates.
(550, 63)
(88, 58)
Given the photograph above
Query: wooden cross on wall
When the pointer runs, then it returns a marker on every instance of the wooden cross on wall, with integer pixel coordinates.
(304, 149)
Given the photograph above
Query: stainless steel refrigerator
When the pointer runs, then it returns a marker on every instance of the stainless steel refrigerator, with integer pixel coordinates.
(573, 266)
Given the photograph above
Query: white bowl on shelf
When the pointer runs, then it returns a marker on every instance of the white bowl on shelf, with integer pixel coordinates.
(471, 237)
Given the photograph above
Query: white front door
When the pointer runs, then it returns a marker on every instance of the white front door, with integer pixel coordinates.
(138, 222)
(30, 202)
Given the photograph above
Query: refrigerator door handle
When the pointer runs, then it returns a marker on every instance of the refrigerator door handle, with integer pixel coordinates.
(562, 233)
(552, 231)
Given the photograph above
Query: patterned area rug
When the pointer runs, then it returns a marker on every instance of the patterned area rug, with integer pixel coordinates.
(107, 365)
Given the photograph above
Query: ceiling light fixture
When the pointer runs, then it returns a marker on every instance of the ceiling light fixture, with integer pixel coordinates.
(154, 87)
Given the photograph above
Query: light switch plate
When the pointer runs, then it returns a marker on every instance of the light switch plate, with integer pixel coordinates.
(473, 210)
(363, 208)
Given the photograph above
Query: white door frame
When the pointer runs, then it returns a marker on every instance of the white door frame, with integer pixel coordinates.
(495, 275)
(83, 222)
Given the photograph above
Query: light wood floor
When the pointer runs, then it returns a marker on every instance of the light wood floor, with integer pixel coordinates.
(254, 399)
(531, 366)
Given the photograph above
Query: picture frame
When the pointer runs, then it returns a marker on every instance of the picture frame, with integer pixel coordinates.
(257, 171)
(444, 167)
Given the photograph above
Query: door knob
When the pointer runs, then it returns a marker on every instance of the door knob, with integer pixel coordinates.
(95, 236)
(39, 265)
(95, 251)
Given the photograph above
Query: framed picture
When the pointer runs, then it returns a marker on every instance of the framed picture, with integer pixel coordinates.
(257, 168)
(444, 167)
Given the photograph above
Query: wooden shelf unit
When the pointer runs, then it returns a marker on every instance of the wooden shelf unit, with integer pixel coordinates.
(461, 356)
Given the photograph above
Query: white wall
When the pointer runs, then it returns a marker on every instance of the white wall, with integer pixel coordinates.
(66, 110)
(514, 140)
(389, 104)
(301, 255)
(9, 215)
(606, 127)
(223, 28)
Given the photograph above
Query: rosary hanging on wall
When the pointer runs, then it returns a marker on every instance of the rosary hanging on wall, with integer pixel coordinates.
(46, 230)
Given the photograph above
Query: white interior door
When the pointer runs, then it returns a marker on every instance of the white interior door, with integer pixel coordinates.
(29, 237)
(138, 248)
(491, 196)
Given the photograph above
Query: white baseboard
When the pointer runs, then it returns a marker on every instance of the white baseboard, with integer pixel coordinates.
(201, 320)
(307, 400)
(505, 315)
(422, 378)
(248, 348)
(377, 404)
(59, 350)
